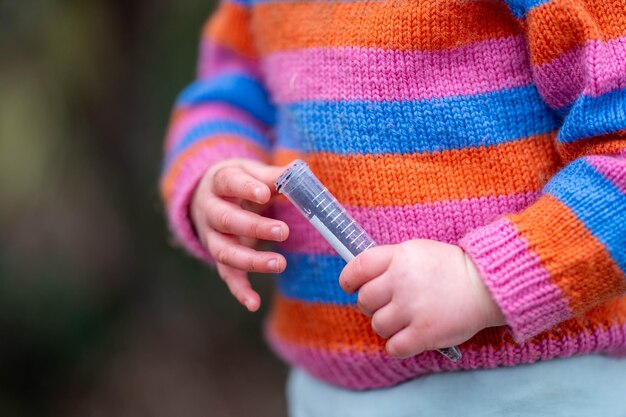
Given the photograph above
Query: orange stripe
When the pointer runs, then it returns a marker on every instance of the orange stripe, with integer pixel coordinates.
(400, 25)
(333, 327)
(560, 25)
(337, 328)
(601, 145)
(407, 179)
(284, 156)
(230, 27)
(177, 114)
(609, 313)
(576, 261)
(169, 180)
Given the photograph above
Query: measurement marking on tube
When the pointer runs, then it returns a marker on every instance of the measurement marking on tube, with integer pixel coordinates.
(337, 218)
(334, 210)
(370, 245)
(347, 226)
(359, 245)
(318, 204)
(350, 234)
(357, 237)
(324, 209)
(319, 194)
(342, 220)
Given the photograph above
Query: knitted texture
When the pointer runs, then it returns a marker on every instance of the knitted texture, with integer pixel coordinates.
(498, 126)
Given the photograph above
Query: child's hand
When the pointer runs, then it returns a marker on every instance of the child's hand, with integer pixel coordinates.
(224, 211)
(422, 295)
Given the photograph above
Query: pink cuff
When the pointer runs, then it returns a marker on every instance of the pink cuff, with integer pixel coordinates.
(521, 287)
(191, 172)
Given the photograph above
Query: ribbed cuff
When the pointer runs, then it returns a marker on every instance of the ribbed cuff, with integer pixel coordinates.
(185, 182)
(530, 302)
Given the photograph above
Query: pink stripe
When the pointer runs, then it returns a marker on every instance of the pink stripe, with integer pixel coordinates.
(612, 168)
(596, 68)
(443, 221)
(531, 303)
(357, 370)
(191, 117)
(375, 74)
(185, 183)
(216, 59)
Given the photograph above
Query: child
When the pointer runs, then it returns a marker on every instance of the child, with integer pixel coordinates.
(482, 143)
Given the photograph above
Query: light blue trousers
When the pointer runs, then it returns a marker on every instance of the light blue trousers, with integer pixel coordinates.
(589, 386)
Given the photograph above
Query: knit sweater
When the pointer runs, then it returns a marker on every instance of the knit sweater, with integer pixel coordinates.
(499, 126)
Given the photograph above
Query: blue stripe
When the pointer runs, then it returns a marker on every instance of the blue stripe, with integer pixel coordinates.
(358, 127)
(314, 278)
(245, 3)
(520, 8)
(239, 90)
(286, 132)
(219, 127)
(594, 116)
(597, 203)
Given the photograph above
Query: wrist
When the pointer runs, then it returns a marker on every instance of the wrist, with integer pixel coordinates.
(491, 311)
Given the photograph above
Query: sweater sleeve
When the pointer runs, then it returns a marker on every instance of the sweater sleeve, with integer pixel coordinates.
(566, 253)
(225, 113)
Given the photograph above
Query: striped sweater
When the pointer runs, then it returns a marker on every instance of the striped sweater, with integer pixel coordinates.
(499, 126)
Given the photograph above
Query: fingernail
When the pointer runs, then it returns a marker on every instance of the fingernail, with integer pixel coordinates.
(273, 264)
(258, 194)
(277, 232)
(248, 303)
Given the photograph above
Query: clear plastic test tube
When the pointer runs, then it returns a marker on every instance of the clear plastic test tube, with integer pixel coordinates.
(332, 221)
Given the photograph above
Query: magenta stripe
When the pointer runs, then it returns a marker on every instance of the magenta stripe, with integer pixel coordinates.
(358, 370)
(612, 168)
(531, 303)
(593, 69)
(443, 221)
(185, 183)
(216, 59)
(202, 113)
(354, 73)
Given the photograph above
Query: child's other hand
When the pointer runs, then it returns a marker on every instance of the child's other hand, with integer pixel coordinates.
(422, 295)
(224, 211)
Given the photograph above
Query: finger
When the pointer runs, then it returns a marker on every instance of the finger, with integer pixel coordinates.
(229, 218)
(388, 321)
(239, 286)
(267, 174)
(228, 251)
(365, 267)
(233, 181)
(373, 295)
(404, 344)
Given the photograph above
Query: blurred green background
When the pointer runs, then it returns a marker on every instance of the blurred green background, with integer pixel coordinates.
(99, 314)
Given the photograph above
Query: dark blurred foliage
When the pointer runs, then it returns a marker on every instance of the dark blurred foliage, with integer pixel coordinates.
(99, 314)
